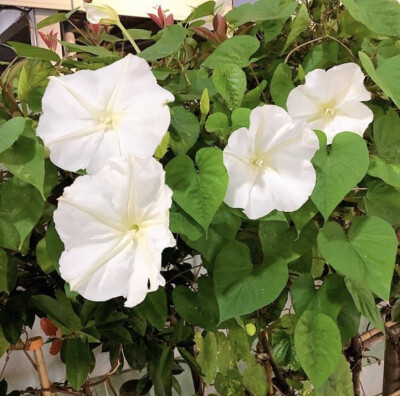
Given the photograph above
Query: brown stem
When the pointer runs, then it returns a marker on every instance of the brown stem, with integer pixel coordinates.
(283, 386)
(391, 371)
(354, 355)
(375, 336)
(109, 383)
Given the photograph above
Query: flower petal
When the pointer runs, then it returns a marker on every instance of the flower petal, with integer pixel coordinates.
(326, 97)
(114, 226)
(106, 112)
(100, 13)
(98, 271)
(276, 171)
(351, 117)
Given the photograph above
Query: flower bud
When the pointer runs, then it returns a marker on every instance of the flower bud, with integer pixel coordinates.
(101, 13)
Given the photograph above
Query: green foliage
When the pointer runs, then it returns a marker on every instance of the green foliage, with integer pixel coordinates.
(382, 17)
(281, 84)
(241, 287)
(169, 42)
(230, 81)
(264, 10)
(365, 303)
(339, 382)
(384, 163)
(207, 359)
(235, 51)
(77, 359)
(386, 75)
(10, 131)
(318, 346)
(383, 201)
(199, 308)
(199, 192)
(184, 130)
(366, 254)
(298, 25)
(29, 51)
(18, 221)
(339, 170)
(25, 158)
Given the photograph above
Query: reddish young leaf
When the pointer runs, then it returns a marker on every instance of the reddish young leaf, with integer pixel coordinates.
(221, 29)
(48, 327)
(156, 20)
(160, 13)
(169, 20)
(56, 346)
(49, 39)
(205, 33)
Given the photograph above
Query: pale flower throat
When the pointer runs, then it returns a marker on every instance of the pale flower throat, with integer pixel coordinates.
(108, 121)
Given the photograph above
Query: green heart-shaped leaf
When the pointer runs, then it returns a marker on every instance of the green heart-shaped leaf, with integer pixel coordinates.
(339, 383)
(199, 192)
(339, 170)
(318, 346)
(242, 288)
(366, 254)
(199, 308)
(230, 82)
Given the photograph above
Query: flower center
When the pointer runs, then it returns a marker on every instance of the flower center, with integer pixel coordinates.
(259, 162)
(132, 231)
(108, 121)
(330, 112)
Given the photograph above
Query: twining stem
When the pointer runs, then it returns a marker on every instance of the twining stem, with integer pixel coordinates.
(277, 371)
(129, 37)
(319, 39)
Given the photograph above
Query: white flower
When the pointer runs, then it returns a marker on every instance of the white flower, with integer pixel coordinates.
(101, 13)
(331, 101)
(114, 226)
(269, 165)
(90, 116)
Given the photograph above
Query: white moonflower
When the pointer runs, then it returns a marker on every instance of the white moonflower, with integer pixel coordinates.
(114, 226)
(331, 101)
(269, 164)
(90, 116)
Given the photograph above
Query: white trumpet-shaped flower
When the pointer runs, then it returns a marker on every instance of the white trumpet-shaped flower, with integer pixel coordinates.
(114, 226)
(269, 164)
(101, 13)
(331, 101)
(90, 116)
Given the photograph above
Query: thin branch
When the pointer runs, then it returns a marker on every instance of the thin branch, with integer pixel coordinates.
(277, 371)
(319, 39)
(302, 45)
